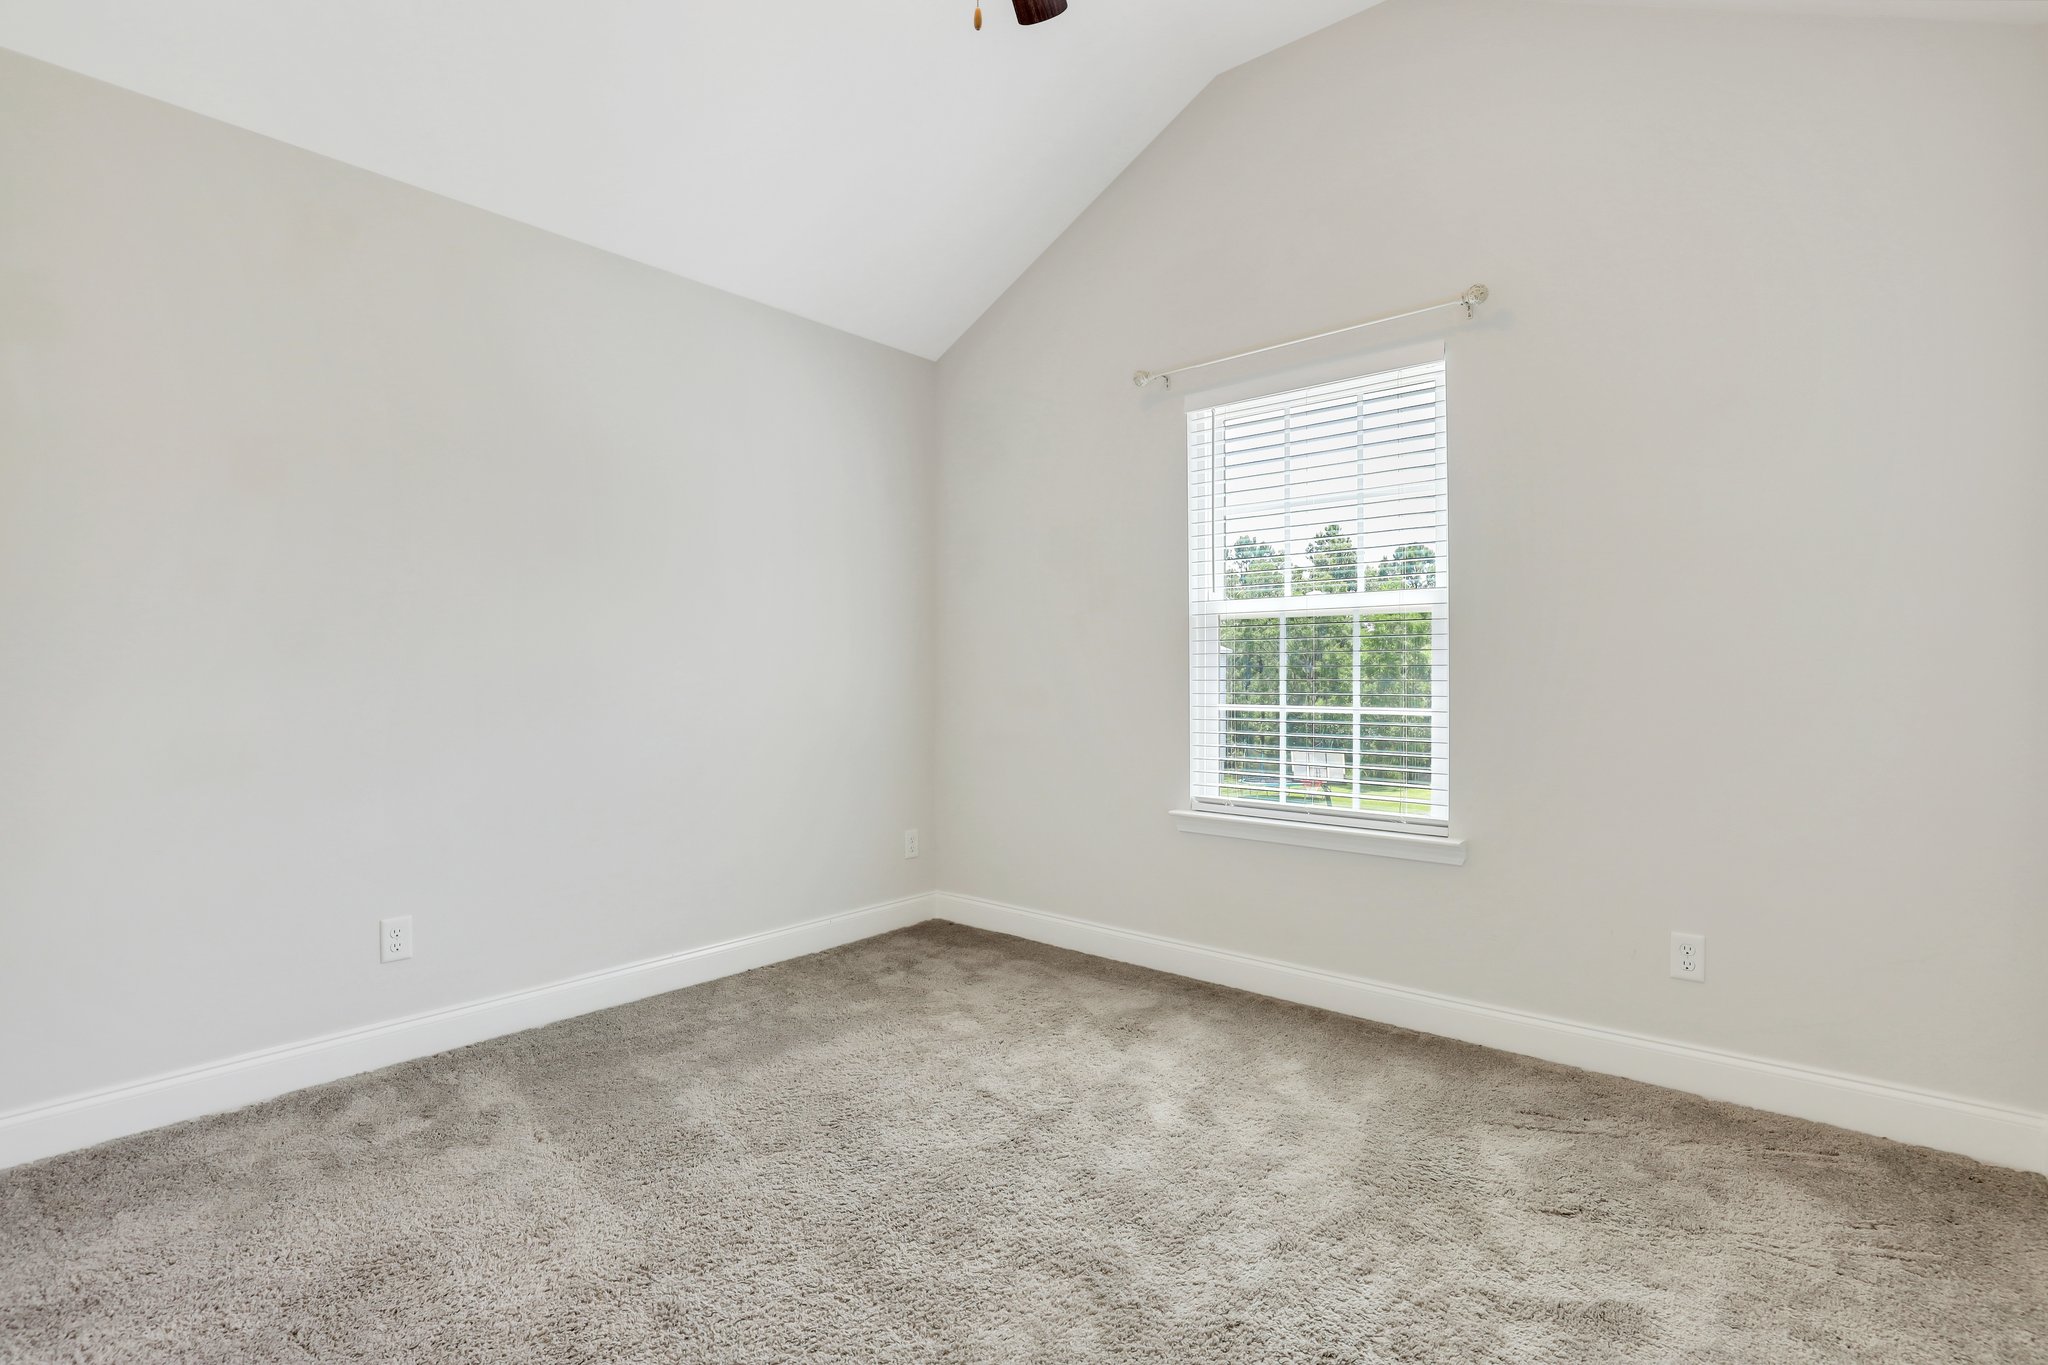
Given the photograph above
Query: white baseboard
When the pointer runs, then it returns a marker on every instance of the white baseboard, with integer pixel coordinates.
(82, 1120)
(1988, 1132)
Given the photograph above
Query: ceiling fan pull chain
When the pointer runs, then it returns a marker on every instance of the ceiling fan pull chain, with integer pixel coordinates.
(977, 18)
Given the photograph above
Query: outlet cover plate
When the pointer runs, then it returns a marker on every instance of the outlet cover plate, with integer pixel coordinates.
(1689, 957)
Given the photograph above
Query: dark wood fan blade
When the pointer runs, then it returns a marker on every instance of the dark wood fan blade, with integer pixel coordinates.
(1038, 11)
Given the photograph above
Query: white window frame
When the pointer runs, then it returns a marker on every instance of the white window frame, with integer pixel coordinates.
(1422, 837)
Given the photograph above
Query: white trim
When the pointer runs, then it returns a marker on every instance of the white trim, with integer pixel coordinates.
(1963, 11)
(1386, 843)
(1988, 1132)
(82, 1120)
(1273, 380)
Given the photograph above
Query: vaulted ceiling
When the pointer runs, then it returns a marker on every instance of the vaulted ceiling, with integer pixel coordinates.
(873, 164)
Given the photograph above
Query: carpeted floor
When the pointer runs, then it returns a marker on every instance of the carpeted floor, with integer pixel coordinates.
(946, 1145)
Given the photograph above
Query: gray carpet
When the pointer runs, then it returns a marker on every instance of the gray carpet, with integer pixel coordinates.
(946, 1145)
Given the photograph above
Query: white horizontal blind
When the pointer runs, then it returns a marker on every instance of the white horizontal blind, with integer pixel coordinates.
(1319, 580)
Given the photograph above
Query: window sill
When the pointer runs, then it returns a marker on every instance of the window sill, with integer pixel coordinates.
(1381, 843)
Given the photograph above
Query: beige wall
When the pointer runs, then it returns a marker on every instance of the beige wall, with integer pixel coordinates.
(1748, 485)
(362, 553)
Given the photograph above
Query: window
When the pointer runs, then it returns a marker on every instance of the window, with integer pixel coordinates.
(1319, 602)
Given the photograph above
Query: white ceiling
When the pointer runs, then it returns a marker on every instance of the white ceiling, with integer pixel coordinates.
(873, 164)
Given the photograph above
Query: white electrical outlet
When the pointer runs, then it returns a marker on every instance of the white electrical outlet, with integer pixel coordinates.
(910, 843)
(1689, 957)
(394, 938)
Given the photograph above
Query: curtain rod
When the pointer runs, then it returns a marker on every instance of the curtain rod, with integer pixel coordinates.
(1477, 294)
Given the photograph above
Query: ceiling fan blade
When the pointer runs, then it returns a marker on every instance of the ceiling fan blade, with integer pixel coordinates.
(1038, 11)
